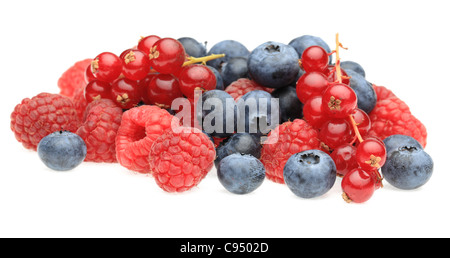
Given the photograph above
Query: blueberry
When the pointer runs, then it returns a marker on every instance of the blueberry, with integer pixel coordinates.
(242, 143)
(350, 65)
(367, 98)
(407, 168)
(217, 113)
(193, 47)
(62, 150)
(241, 174)
(290, 106)
(273, 65)
(398, 141)
(258, 112)
(310, 173)
(230, 48)
(234, 69)
(219, 80)
(305, 41)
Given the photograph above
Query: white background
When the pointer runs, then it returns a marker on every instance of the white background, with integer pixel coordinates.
(403, 45)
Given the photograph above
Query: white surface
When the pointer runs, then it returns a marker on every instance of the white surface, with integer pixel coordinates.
(401, 45)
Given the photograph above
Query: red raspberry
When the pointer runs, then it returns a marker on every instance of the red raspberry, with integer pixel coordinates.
(383, 93)
(73, 78)
(35, 118)
(79, 102)
(99, 130)
(242, 86)
(284, 141)
(140, 127)
(392, 116)
(180, 159)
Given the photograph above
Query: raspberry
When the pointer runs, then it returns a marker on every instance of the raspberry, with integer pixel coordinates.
(180, 159)
(79, 102)
(140, 127)
(102, 120)
(284, 141)
(242, 86)
(73, 78)
(383, 93)
(392, 116)
(35, 118)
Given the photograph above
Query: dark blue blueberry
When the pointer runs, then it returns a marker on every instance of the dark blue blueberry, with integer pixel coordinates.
(217, 113)
(241, 174)
(219, 80)
(407, 168)
(310, 173)
(290, 106)
(62, 150)
(234, 69)
(258, 112)
(367, 98)
(230, 48)
(350, 65)
(398, 141)
(305, 41)
(242, 143)
(193, 47)
(273, 65)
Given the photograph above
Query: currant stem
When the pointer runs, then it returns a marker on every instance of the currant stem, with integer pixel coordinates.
(193, 60)
(355, 128)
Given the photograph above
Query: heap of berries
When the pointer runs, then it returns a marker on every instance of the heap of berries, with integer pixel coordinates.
(327, 120)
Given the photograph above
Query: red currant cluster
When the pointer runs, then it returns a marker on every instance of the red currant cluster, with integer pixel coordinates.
(155, 72)
(330, 106)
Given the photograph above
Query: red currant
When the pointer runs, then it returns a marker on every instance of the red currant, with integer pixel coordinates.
(358, 186)
(163, 89)
(88, 75)
(143, 84)
(312, 112)
(136, 64)
(332, 75)
(96, 89)
(106, 67)
(371, 154)
(126, 93)
(167, 55)
(310, 85)
(339, 100)
(344, 158)
(146, 43)
(314, 59)
(362, 121)
(335, 132)
(196, 77)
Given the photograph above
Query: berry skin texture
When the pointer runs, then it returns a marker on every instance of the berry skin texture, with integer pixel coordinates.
(167, 55)
(196, 77)
(240, 173)
(408, 168)
(398, 141)
(35, 118)
(314, 59)
(392, 116)
(310, 85)
(310, 173)
(230, 48)
(99, 130)
(106, 67)
(285, 140)
(273, 64)
(136, 64)
(344, 158)
(181, 158)
(358, 186)
(242, 86)
(140, 127)
(243, 143)
(339, 100)
(371, 154)
(62, 150)
(73, 79)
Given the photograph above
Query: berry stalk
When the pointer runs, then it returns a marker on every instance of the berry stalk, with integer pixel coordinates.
(193, 60)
